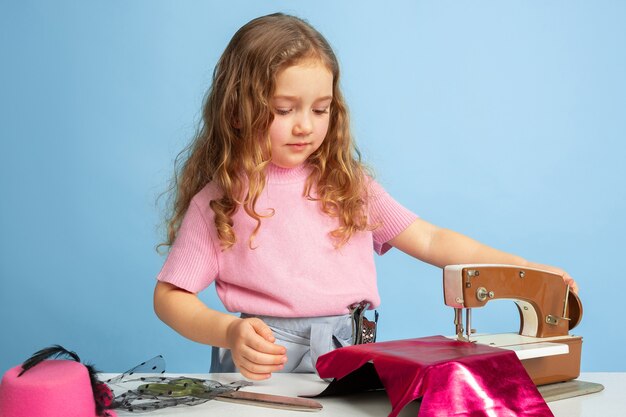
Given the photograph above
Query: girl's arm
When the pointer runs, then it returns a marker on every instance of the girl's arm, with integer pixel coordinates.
(250, 340)
(441, 247)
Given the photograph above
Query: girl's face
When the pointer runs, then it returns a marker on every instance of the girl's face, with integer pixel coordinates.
(301, 105)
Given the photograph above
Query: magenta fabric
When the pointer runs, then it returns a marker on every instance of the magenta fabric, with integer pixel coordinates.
(452, 378)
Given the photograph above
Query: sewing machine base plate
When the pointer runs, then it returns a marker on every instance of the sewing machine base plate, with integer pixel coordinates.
(569, 389)
(556, 368)
(547, 360)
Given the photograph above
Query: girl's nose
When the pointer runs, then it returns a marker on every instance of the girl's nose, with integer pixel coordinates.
(303, 126)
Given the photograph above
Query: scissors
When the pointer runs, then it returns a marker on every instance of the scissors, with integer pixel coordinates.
(192, 387)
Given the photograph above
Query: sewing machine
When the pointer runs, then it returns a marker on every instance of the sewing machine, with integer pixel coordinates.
(548, 311)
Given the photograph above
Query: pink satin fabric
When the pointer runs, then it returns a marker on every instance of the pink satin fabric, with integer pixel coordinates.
(452, 378)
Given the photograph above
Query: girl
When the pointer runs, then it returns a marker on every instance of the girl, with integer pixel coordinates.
(274, 205)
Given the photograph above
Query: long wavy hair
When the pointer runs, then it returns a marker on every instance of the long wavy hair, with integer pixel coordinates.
(232, 146)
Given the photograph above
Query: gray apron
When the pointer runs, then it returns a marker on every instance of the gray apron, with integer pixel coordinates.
(305, 339)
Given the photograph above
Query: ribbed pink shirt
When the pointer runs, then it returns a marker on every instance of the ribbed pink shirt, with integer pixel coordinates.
(294, 270)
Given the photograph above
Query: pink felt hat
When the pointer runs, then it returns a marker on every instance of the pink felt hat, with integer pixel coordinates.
(54, 388)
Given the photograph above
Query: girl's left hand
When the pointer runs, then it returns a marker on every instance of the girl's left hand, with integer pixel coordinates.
(566, 277)
(570, 281)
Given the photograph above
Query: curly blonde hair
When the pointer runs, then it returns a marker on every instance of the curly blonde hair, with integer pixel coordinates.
(232, 147)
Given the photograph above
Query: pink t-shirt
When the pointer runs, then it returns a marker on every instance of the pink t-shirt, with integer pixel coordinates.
(294, 269)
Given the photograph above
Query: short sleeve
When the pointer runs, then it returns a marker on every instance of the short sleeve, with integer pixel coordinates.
(390, 217)
(192, 262)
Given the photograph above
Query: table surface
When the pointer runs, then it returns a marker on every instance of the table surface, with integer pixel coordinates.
(611, 402)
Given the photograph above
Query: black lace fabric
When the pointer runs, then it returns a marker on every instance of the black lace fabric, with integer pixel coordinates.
(146, 388)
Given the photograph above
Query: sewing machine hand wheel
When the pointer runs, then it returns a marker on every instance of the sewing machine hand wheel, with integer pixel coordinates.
(574, 310)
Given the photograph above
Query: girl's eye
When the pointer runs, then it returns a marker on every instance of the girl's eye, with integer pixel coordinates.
(321, 111)
(282, 112)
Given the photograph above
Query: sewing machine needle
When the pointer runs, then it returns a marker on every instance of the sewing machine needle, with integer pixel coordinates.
(468, 323)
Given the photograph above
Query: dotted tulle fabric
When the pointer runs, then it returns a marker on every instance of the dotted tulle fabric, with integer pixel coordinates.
(146, 388)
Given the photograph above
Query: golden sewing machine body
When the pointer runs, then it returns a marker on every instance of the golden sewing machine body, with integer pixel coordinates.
(548, 311)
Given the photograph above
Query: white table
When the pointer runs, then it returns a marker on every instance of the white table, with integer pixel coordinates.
(609, 403)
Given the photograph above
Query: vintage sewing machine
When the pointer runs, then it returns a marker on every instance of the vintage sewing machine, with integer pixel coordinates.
(548, 311)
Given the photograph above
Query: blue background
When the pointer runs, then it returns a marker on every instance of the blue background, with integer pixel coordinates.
(504, 121)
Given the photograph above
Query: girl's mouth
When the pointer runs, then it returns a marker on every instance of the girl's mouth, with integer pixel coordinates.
(297, 145)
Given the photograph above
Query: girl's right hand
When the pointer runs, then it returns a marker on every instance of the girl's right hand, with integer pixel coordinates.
(253, 349)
